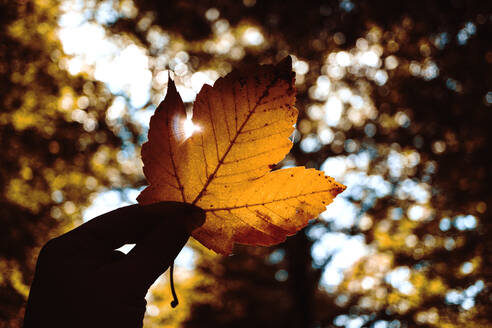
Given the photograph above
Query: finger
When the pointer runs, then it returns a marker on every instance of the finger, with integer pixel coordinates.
(155, 253)
(126, 225)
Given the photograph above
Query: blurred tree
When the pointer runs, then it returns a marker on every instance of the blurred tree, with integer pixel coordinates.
(424, 127)
(57, 147)
(395, 100)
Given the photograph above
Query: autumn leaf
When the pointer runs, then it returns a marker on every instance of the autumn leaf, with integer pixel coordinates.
(243, 126)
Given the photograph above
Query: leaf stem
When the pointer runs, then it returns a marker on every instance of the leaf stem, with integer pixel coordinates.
(175, 301)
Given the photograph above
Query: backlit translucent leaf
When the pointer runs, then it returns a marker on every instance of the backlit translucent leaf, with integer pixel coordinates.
(266, 210)
(243, 122)
(163, 160)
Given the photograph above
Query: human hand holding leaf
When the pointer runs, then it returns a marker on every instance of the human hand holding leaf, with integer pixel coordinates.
(244, 122)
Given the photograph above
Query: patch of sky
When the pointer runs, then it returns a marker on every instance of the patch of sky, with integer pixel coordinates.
(465, 222)
(357, 192)
(445, 224)
(402, 119)
(276, 256)
(338, 166)
(115, 112)
(87, 40)
(350, 321)
(341, 214)
(488, 97)
(360, 160)
(386, 324)
(351, 146)
(380, 77)
(347, 5)
(370, 149)
(417, 213)
(110, 200)
(73, 19)
(465, 298)
(127, 150)
(467, 267)
(454, 85)
(368, 202)
(370, 58)
(316, 231)
(335, 167)
(396, 213)
(333, 111)
(356, 101)
(470, 28)
(466, 32)
(375, 183)
(186, 259)
(341, 252)
(462, 37)
(422, 265)
(78, 11)
(142, 117)
(326, 245)
(350, 170)
(281, 275)
(310, 144)
(187, 94)
(430, 167)
(413, 190)
(128, 72)
(106, 14)
(123, 68)
(399, 279)
(454, 297)
(430, 71)
(441, 40)
(395, 162)
(124, 134)
(380, 324)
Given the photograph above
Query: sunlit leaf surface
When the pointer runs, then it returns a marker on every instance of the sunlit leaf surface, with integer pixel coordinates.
(244, 122)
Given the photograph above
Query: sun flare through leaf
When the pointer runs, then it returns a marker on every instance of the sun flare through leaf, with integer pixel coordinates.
(244, 121)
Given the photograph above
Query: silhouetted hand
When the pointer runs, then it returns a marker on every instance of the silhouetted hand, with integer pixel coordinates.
(81, 281)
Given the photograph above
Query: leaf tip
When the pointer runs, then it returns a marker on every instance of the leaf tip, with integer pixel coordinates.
(172, 101)
(171, 86)
(286, 63)
(338, 189)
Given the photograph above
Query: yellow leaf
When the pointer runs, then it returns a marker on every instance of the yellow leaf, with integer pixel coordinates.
(243, 124)
(266, 210)
(164, 163)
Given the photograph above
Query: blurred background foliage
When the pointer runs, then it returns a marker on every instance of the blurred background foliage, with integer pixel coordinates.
(395, 101)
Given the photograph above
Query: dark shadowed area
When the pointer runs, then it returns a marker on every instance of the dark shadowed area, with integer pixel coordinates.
(394, 99)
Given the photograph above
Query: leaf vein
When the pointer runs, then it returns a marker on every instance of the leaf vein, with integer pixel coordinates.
(171, 153)
(221, 160)
(210, 116)
(263, 137)
(268, 202)
(253, 156)
(262, 127)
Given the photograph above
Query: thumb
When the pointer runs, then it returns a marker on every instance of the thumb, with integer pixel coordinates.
(157, 250)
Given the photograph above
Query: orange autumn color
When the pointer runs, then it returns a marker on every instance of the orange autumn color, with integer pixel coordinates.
(244, 123)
